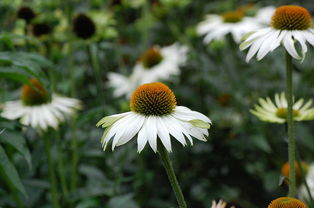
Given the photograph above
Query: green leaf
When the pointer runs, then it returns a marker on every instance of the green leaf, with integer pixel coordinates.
(199, 124)
(17, 142)
(125, 201)
(10, 171)
(15, 76)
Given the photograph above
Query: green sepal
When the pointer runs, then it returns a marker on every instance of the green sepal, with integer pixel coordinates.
(199, 124)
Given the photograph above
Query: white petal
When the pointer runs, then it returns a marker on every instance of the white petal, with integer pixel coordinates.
(289, 45)
(163, 133)
(151, 131)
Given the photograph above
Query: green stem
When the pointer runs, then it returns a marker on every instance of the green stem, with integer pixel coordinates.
(52, 176)
(92, 49)
(61, 169)
(171, 175)
(75, 157)
(291, 139)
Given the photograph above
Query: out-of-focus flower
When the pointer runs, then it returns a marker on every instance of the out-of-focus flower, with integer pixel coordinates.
(156, 64)
(83, 26)
(285, 171)
(220, 204)
(302, 192)
(37, 109)
(216, 27)
(154, 115)
(264, 14)
(289, 24)
(277, 112)
(41, 29)
(287, 202)
(26, 13)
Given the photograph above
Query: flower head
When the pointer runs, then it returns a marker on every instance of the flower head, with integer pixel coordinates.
(277, 112)
(37, 109)
(26, 13)
(155, 64)
(286, 202)
(41, 29)
(83, 26)
(154, 115)
(289, 24)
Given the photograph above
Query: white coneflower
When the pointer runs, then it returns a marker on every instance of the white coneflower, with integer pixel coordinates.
(277, 112)
(156, 64)
(264, 14)
(37, 109)
(290, 24)
(154, 116)
(216, 27)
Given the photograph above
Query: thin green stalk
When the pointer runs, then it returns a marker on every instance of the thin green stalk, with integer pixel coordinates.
(291, 139)
(52, 176)
(61, 172)
(92, 50)
(75, 157)
(171, 175)
(14, 191)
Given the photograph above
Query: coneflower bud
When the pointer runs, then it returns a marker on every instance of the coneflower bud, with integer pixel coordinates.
(83, 26)
(26, 13)
(41, 29)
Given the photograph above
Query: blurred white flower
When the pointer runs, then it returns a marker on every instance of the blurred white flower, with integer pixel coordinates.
(156, 64)
(264, 14)
(220, 204)
(35, 109)
(289, 25)
(154, 115)
(216, 27)
(277, 112)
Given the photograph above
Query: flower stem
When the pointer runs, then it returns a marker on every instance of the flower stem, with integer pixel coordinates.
(291, 139)
(171, 175)
(52, 176)
(74, 156)
(92, 49)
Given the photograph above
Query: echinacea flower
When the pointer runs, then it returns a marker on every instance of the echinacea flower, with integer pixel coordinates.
(287, 202)
(154, 116)
(309, 177)
(156, 64)
(83, 26)
(37, 109)
(290, 24)
(216, 27)
(277, 112)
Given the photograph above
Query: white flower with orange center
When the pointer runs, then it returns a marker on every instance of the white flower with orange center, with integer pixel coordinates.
(290, 25)
(154, 116)
(216, 27)
(277, 112)
(156, 64)
(37, 109)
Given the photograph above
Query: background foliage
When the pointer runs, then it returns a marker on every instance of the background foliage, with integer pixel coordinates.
(241, 161)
